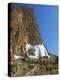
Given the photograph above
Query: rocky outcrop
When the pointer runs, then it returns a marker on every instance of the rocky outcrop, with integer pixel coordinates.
(24, 28)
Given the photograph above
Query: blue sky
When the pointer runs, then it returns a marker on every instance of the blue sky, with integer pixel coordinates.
(47, 20)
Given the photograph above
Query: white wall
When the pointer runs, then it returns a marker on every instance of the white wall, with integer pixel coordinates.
(39, 49)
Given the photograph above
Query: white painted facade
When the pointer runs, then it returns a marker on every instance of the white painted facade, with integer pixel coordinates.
(39, 50)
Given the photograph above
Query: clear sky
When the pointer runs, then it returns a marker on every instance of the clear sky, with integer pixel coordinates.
(47, 20)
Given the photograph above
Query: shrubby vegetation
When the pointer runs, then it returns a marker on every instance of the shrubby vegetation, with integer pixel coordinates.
(31, 51)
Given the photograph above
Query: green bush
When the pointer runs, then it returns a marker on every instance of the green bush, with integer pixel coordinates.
(13, 69)
(31, 51)
(32, 61)
(55, 66)
(49, 67)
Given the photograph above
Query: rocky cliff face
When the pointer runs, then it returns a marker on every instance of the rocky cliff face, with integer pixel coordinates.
(24, 28)
(23, 22)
